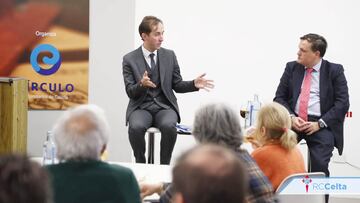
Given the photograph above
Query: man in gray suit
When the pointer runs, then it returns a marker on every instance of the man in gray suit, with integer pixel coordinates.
(151, 73)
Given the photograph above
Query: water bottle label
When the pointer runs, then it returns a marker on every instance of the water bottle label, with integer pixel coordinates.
(49, 153)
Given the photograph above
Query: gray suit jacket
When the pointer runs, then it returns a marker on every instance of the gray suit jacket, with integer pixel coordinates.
(134, 66)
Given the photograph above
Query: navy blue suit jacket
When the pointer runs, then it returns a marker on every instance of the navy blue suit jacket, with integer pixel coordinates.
(334, 96)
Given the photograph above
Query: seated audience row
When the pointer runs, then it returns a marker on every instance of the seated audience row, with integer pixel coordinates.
(219, 124)
(81, 135)
(24, 181)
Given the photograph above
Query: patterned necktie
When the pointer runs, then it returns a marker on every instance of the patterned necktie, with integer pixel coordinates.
(152, 60)
(305, 95)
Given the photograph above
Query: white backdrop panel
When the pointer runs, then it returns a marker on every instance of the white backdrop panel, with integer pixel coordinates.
(244, 46)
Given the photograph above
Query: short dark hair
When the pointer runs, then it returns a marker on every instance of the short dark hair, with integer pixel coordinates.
(23, 181)
(318, 43)
(210, 174)
(147, 23)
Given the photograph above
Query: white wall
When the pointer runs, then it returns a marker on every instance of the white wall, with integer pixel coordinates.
(111, 37)
(242, 45)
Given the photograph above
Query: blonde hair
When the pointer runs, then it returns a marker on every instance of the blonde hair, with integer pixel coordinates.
(277, 123)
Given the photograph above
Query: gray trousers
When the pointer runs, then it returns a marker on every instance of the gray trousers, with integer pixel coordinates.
(164, 119)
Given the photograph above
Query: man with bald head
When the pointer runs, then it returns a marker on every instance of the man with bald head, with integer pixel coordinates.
(81, 135)
(209, 174)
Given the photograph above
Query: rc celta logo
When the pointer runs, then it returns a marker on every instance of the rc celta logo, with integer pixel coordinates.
(319, 185)
(307, 180)
(54, 61)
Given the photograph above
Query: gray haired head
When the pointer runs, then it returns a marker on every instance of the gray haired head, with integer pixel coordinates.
(81, 133)
(218, 124)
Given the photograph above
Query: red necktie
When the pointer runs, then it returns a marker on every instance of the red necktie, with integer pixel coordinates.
(305, 95)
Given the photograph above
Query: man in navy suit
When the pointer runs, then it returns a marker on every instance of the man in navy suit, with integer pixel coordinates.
(328, 100)
(151, 73)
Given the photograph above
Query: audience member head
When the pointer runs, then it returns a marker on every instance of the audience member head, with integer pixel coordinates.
(274, 126)
(81, 133)
(23, 181)
(209, 174)
(218, 124)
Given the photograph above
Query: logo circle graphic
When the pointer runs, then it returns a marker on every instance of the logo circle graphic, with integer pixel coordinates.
(55, 60)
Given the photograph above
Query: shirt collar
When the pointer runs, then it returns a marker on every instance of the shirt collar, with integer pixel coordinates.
(147, 52)
(317, 66)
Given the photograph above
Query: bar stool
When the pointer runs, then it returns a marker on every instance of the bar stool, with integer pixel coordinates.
(303, 142)
(151, 139)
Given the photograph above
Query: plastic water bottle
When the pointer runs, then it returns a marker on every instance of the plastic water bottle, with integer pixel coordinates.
(254, 109)
(49, 149)
(247, 115)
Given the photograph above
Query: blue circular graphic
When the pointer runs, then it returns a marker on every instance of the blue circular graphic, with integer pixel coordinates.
(55, 60)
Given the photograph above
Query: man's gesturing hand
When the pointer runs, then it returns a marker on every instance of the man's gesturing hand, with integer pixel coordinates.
(146, 82)
(202, 83)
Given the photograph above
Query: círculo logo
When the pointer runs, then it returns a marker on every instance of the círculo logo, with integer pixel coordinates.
(55, 60)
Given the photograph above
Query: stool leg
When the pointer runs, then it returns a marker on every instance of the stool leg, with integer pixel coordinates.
(151, 148)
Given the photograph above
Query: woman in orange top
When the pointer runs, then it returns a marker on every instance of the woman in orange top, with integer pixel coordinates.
(277, 154)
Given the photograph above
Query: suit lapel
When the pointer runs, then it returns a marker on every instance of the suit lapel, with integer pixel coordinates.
(298, 77)
(140, 61)
(323, 84)
(162, 64)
